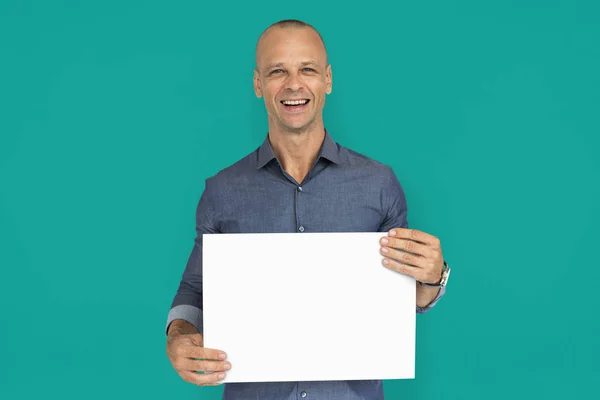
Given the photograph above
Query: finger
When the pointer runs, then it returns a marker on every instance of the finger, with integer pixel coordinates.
(202, 379)
(212, 379)
(405, 258)
(405, 269)
(406, 245)
(203, 365)
(416, 235)
(203, 353)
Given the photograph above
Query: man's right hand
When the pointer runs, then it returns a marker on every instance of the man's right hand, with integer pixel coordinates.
(188, 356)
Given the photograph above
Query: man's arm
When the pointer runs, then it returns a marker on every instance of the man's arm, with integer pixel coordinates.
(426, 294)
(185, 343)
(187, 304)
(397, 210)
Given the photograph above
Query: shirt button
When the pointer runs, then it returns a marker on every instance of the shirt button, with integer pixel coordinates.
(301, 229)
(303, 394)
(299, 188)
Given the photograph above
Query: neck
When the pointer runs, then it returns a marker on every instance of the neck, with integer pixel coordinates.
(297, 151)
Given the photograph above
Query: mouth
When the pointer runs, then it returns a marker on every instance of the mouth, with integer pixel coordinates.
(296, 105)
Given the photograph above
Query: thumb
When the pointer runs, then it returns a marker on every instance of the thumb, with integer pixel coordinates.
(197, 339)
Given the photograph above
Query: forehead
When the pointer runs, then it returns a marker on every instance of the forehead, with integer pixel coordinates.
(289, 46)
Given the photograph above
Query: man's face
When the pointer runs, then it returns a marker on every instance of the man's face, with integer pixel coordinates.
(293, 76)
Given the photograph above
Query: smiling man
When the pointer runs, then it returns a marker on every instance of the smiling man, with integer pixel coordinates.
(298, 180)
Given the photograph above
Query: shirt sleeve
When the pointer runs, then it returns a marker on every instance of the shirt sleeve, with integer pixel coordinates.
(396, 210)
(187, 303)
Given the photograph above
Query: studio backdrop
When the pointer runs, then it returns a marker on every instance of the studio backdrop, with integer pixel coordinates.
(113, 114)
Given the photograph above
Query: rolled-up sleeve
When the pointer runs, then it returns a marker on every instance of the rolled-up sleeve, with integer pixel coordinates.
(187, 303)
(394, 204)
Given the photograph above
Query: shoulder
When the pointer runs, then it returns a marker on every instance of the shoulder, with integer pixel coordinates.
(240, 171)
(356, 161)
(378, 174)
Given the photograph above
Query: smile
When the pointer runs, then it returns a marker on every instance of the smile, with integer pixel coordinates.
(295, 102)
(295, 106)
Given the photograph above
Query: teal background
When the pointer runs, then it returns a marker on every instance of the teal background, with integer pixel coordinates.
(112, 114)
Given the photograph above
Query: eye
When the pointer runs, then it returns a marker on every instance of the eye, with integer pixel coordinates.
(307, 69)
(276, 71)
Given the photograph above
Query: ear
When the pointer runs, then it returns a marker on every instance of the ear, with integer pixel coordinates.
(328, 79)
(257, 88)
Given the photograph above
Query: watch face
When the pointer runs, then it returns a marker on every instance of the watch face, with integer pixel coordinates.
(445, 275)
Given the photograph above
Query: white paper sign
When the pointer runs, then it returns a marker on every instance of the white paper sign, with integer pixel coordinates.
(307, 307)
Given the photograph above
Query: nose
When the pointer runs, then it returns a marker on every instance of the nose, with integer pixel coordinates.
(294, 82)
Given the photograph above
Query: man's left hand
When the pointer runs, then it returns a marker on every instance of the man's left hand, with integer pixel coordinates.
(413, 253)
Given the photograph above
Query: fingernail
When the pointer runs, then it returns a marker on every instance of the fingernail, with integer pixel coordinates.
(222, 356)
(385, 262)
(392, 233)
(221, 376)
(384, 250)
(384, 241)
(227, 366)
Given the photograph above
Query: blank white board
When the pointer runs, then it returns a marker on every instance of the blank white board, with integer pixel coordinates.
(307, 307)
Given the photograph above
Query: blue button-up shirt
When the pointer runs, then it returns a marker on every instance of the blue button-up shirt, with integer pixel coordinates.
(343, 192)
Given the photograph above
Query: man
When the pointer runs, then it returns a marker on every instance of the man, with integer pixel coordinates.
(299, 180)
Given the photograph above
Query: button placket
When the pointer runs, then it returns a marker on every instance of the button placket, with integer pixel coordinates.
(300, 227)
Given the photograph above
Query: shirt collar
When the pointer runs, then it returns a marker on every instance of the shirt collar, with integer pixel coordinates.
(329, 150)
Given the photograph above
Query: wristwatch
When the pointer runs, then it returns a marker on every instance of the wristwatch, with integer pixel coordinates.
(444, 280)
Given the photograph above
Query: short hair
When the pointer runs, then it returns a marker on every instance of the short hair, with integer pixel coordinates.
(292, 23)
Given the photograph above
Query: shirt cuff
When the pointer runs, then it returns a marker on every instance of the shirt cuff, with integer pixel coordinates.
(191, 314)
(423, 310)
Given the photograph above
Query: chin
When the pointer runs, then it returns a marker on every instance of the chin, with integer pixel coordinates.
(298, 124)
(297, 127)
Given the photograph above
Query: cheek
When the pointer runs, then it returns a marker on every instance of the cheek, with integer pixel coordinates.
(270, 94)
(318, 88)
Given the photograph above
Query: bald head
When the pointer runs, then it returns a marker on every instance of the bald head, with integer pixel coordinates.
(283, 25)
(292, 66)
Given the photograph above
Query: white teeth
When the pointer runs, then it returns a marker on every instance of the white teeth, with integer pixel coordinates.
(294, 102)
